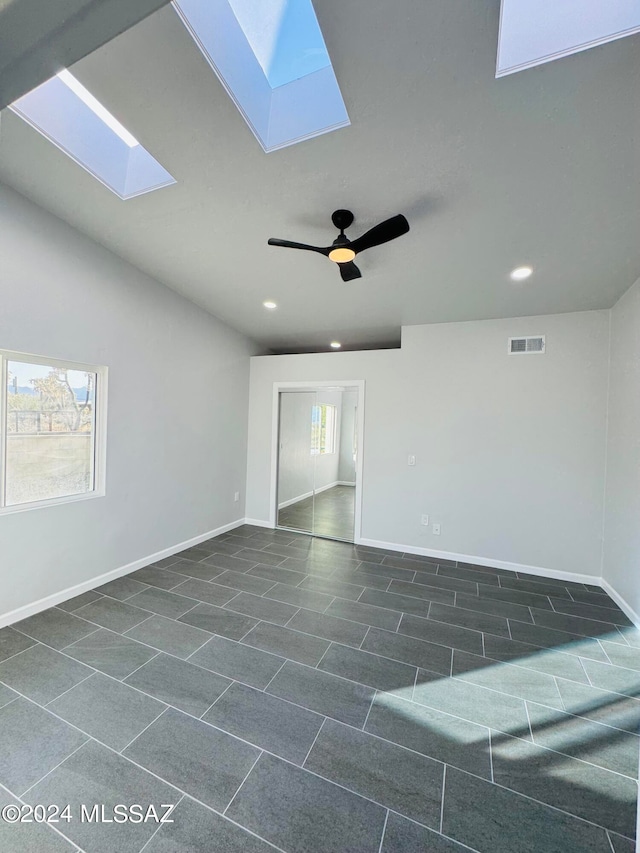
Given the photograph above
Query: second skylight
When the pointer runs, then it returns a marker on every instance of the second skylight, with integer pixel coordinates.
(272, 60)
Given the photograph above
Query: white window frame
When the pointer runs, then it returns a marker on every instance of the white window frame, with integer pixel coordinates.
(99, 439)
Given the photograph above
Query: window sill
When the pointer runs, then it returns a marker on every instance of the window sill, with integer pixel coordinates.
(87, 496)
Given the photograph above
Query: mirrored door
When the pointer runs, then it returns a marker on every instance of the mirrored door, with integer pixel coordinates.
(317, 461)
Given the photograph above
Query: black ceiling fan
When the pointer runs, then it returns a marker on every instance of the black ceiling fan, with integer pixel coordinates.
(342, 251)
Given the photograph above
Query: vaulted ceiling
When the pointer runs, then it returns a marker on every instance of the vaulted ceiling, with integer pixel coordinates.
(537, 168)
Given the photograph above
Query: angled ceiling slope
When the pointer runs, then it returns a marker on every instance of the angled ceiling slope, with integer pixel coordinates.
(38, 39)
(538, 169)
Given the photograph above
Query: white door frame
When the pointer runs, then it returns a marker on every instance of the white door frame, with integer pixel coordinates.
(359, 385)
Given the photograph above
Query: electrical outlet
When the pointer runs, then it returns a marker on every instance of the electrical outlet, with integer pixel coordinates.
(236, 496)
(436, 530)
(411, 460)
(425, 520)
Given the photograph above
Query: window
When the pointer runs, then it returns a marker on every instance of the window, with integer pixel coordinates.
(323, 429)
(52, 439)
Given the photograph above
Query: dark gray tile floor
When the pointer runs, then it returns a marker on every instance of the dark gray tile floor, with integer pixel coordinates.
(309, 696)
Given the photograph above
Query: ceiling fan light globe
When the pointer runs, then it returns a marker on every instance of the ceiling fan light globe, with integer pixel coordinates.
(341, 255)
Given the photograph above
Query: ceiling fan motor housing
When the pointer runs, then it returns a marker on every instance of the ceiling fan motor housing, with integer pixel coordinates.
(342, 219)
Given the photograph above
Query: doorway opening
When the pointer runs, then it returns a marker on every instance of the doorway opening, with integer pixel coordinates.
(318, 459)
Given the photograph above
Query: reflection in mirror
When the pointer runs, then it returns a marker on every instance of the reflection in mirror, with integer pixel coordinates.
(295, 461)
(317, 461)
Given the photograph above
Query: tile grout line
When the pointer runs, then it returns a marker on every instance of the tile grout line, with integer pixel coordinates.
(191, 654)
(493, 781)
(158, 828)
(444, 782)
(22, 651)
(384, 829)
(64, 693)
(472, 630)
(293, 615)
(264, 689)
(526, 710)
(52, 826)
(415, 684)
(139, 623)
(317, 666)
(364, 638)
(287, 761)
(604, 651)
(302, 765)
(92, 622)
(451, 649)
(366, 719)
(133, 739)
(454, 592)
(228, 806)
(271, 588)
(42, 778)
(206, 711)
(122, 681)
(198, 601)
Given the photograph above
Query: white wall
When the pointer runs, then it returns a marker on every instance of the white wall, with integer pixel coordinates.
(178, 396)
(510, 449)
(621, 553)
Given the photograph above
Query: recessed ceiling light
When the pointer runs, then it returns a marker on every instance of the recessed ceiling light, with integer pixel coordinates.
(335, 344)
(520, 273)
(270, 306)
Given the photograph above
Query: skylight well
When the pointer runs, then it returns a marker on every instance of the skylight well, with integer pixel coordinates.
(68, 115)
(532, 33)
(272, 60)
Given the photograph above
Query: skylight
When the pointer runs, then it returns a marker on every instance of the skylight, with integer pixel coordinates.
(271, 58)
(532, 32)
(68, 115)
(96, 107)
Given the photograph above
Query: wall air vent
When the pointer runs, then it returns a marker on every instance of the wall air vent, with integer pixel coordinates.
(527, 346)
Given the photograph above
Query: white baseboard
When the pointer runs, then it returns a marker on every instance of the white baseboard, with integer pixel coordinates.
(92, 583)
(311, 493)
(71, 592)
(345, 483)
(483, 561)
(295, 500)
(622, 604)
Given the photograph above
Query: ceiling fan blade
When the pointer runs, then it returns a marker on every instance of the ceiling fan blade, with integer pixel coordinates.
(349, 271)
(382, 233)
(287, 244)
